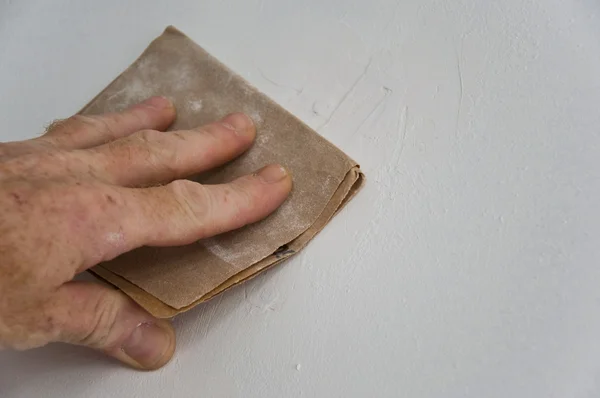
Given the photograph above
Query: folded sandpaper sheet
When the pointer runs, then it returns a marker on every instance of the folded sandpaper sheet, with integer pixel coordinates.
(167, 281)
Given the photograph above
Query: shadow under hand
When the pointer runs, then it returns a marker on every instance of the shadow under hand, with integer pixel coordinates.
(197, 324)
(42, 369)
(39, 369)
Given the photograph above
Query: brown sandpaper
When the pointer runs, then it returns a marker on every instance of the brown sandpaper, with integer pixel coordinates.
(167, 281)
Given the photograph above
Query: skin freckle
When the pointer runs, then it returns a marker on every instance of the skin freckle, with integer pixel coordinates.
(226, 195)
(17, 198)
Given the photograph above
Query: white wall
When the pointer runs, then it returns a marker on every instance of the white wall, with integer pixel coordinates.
(468, 267)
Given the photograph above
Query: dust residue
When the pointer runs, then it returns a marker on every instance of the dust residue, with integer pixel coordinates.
(148, 81)
(262, 139)
(244, 254)
(255, 116)
(195, 105)
(234, 253)
(136, 91)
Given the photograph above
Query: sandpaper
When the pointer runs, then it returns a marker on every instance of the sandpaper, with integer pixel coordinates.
(167, 281)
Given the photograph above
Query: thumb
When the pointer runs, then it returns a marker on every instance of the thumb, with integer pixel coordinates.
(102, 318)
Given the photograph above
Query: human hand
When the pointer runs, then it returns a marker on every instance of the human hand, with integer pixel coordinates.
(89, 190)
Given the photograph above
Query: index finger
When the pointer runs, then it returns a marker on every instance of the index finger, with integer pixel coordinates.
(184, 211)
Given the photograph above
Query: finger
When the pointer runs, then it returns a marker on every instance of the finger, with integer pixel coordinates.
(104, 319)
(150, 157)
(86, 131)
(184, 211)
(175, 214)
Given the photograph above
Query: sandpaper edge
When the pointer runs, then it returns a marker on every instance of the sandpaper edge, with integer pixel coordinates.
(352, 183)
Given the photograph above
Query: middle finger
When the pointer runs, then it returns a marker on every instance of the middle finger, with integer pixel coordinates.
(151, 157)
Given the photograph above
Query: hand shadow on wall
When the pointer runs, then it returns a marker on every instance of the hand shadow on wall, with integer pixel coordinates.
(49, 364)
(67, 365)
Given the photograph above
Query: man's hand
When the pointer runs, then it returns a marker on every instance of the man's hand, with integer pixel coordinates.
(94, 187)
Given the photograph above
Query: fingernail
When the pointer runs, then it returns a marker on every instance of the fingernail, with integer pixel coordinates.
(158, 103)
(240, 123)
(272, 173)
(148, 345)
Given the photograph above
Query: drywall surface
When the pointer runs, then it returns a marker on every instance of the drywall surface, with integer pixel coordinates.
(468, 266)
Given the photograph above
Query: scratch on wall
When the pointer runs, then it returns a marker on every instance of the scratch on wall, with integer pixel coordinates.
(402, 128)
(297, 90)
(461, 89)
(387, 92)
(393, 17)
(347, 94)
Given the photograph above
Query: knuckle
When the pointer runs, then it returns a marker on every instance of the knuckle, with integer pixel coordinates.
(191, 198)
(158, 150)
(137, 144)
(247, 196)
(147, 136)
(212, 134)
(180, 135)
(249, 200)
(183, 189)
(84, 120)
(115, 149)
(99, 330)
(94, 122)
(238, 202)
(144, 144)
